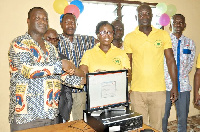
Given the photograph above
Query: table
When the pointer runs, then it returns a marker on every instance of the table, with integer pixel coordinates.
(73, 126)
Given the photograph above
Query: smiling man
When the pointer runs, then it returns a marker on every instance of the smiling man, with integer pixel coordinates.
(184, 52)
(73, 46)
(146, 48)
(35, 73)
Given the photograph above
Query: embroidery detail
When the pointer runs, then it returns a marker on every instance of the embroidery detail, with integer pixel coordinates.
(158, 43)
(117, 61)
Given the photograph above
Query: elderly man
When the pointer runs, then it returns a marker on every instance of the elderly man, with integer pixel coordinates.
(35, 73)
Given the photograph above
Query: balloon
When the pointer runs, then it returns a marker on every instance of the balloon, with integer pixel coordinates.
(171, 10)
(161, 7)
(164, 19)
(61, 17)
(59, 6)
(79, 4)
(72, 9)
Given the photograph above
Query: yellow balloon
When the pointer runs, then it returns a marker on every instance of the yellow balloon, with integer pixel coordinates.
(59, 6)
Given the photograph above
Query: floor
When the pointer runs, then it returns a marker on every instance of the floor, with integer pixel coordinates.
(193, 124)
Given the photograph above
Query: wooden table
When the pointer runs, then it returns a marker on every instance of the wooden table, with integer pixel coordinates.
(145, 127)
(73, 126)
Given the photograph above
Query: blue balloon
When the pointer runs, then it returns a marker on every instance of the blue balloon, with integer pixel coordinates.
(79, 4)
(61, 17)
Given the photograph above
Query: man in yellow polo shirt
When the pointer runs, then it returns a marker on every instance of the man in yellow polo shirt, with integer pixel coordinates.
(146, 47)
(197, 83)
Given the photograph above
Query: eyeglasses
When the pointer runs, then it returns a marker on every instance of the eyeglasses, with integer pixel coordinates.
(106, 32)
(53, 39)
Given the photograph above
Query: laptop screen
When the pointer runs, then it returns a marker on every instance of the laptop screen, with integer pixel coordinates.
(107, 90)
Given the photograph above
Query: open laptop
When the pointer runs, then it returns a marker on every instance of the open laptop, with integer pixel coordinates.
(107, 90)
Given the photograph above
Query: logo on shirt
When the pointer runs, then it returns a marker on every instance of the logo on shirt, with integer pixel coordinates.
(117, 61)
(158, 43)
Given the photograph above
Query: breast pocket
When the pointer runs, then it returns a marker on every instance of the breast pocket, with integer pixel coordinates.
(186, 51)
(186, 54)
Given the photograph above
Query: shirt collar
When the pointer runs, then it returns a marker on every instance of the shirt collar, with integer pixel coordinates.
(174, 37)
(28, 36)
(97, 46)
(138, 31)
(67, 39)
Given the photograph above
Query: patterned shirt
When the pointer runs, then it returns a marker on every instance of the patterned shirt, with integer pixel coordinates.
(75, 50)
(184, 54)
(34, 80)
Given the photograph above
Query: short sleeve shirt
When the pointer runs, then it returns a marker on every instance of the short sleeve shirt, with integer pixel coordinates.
(198, 61)
(114, 59)
(147, 59)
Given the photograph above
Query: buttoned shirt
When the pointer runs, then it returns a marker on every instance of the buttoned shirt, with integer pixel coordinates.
(34, 80)
(184, 54)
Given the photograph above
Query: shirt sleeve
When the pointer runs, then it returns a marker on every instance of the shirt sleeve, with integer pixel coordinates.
(71, 81)
(192, 56)
(167, 40)
(125, 61)
(198, 61)
(84, 59)
(127, 44)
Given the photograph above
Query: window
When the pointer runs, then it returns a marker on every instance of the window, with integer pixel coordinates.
(95, 12)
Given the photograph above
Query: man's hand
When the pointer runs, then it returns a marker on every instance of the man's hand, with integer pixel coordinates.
(70, 71)
(173, 94)
(129, 92)
(67, 65)
(171, 64)
(83, 81)
(197, 99)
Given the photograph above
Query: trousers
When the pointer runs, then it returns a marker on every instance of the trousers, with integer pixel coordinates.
(182, 110)
(151, 105)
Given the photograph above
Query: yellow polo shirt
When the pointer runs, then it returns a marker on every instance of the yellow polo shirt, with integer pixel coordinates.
(114, 59)
(147, 59)
(198, 61)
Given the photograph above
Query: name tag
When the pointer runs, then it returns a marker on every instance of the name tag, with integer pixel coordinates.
(186, 51)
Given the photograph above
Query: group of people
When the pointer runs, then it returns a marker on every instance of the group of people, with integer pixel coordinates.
(48, 70)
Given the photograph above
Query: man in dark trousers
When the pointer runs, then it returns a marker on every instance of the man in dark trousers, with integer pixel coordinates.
(73, 46)
(184, 54)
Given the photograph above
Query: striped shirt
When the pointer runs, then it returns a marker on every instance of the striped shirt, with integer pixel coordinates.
(74, 50)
